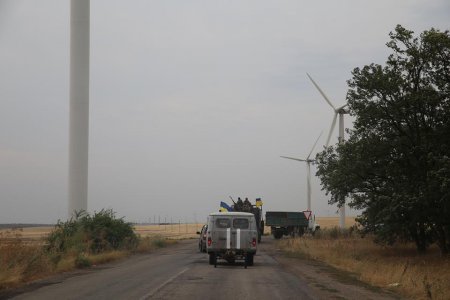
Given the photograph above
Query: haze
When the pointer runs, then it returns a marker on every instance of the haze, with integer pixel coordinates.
(190, 101)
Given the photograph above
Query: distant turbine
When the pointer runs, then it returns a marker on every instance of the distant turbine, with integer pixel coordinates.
(341, 111)
(308, 170)
(79, 105)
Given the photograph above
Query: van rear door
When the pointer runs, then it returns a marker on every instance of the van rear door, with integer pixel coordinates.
(231, 232)
(221, 235)
(240, 232)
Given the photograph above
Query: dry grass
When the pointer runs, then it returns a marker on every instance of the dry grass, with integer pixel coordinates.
(23, 257)
(150, 243)
(30, 234)
(97, 259)
(20, 261)
(399, 268)
(171, 231)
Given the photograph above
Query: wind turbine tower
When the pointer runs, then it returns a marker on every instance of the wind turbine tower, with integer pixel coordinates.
(341, 111)
(79, 105)
(308, 170)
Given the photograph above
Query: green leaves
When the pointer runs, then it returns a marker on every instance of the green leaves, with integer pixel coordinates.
(94, 234)
(395, 165)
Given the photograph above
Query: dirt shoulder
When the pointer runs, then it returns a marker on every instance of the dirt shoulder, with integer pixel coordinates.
(326, 281)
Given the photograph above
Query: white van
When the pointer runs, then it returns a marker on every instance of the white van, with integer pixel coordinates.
(231, 236)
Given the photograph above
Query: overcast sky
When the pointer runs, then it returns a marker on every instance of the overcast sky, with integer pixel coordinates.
(190, 101)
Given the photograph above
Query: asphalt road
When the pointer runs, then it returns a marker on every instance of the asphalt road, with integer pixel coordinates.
(181, 272)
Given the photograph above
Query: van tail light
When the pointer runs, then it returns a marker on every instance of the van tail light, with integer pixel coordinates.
(254, 242)
(209, 241)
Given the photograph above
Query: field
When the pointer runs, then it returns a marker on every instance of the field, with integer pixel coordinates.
(171, 231)
(329, 222)
(397, 267)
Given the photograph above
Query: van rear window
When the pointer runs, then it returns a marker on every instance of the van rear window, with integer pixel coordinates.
(223, 223)
(240, 223)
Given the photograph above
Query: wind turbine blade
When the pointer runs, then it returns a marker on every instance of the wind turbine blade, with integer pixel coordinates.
(293, 158)
(333, 124)
(314, 145)
(321, 92)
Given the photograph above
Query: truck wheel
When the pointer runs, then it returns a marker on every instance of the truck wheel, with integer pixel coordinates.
(212, 258)
(301, 231)
(249, 259)
(277, 234)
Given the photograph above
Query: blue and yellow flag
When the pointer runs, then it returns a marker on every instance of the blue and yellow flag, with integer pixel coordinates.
(259, 202)
(224, 207)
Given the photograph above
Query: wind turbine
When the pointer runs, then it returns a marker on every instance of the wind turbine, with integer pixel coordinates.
(79, 105)
(308, 169)
(341, 111)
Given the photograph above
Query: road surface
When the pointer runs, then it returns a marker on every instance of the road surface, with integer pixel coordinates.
(181, 272)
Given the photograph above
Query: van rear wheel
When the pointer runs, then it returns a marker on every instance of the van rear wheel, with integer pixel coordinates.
(249, 259)
(212, 259)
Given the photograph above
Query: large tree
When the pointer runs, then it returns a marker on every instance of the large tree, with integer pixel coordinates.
(395, 166)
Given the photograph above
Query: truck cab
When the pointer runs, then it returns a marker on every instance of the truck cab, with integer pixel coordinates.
(231, 236)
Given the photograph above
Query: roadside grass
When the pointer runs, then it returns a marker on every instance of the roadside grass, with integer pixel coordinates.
(150, 243)
(398, 268)
(20, 260)
(23, 260)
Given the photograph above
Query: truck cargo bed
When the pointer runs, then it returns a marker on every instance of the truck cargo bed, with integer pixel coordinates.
(285, 218)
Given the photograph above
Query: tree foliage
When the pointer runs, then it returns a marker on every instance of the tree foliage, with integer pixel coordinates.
(396, 164)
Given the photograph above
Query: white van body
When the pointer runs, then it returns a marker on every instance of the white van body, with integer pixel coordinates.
(231, 236)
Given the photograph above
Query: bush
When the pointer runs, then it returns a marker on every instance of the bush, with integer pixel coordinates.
(82, 261)
(92, 234)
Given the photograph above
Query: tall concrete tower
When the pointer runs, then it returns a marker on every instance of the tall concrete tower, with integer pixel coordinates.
(79, 105)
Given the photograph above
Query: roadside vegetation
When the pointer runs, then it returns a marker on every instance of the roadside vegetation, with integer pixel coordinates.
(395, 165)
(398, 267)
(84, 241)
(395, 169)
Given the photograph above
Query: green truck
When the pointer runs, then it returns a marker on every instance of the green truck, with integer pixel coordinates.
(290, 223)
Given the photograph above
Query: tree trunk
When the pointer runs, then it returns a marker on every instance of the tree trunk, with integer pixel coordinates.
(441, 240)
(419, 238)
